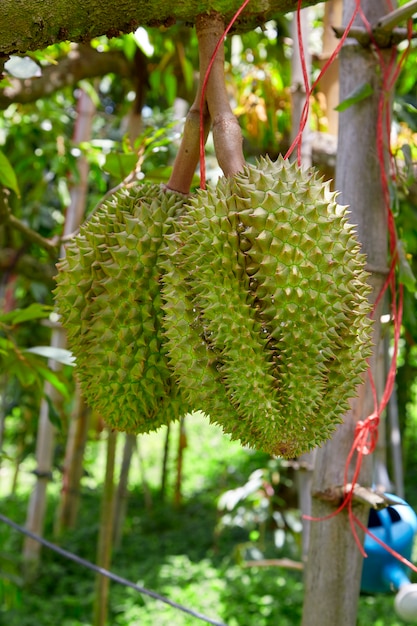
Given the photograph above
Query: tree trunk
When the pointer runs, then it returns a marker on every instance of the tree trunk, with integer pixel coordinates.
(164, 470)
(182, 444)
(122, 489)
(333, 571)
(329, 83)
(105, 540)
(73, 465)
(44, 458)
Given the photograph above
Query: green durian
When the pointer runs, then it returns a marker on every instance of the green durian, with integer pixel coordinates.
(266, 307)
(109, 297)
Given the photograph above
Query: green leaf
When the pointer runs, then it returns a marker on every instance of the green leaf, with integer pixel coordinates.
(32, 312)
(130, 46)
(53, 414)
(7, 175)
(170, 84)
(405, 273)
(90, 91)
(408, 157)
(57, 354)
(120, 165)
(54, 380)
(360, 93)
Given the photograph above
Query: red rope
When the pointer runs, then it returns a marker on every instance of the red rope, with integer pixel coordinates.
(309, 90)
(366, 431)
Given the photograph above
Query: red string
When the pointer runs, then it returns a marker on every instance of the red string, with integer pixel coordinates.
(366, 431)
(309, 90)
(203, 93)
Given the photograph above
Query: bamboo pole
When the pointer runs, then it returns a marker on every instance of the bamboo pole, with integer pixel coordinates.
(164, 469)
(122, 489)
(73, 465)
(182, 444)
(105, 540)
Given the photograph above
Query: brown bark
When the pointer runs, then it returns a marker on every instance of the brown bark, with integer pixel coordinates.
(34, 24)
(105, 540)
(73, 466)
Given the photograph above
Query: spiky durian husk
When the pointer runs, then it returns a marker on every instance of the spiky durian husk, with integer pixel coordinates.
(108, 295)
(266, 307)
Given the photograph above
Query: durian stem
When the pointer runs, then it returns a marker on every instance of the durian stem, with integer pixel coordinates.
(188, 154)
(227, 135)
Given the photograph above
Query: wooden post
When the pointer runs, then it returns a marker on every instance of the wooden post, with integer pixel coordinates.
(105, 539)
(69, 504)
(334, 564)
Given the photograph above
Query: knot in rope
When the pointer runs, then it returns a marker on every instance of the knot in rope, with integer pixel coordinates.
(366, 434)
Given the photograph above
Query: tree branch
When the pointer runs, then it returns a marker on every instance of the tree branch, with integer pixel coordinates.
(35, 24)
(389, 21)
(82, 62)
(384, 38)
(7, 218)
(26, 265)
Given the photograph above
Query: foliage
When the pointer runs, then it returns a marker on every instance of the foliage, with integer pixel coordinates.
(262, 507)
(174, 551)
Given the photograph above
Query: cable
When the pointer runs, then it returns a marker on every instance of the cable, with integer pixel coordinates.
(107, 573)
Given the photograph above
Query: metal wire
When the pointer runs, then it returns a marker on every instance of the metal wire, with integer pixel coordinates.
(107, 573)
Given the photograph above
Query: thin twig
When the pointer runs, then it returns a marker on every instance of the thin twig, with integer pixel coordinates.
(380, 36)
(6, 217)
(364, 495)
(287, 563)
(390, 20)
(51, 246)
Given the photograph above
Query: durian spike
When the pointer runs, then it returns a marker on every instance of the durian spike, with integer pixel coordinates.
(227, 135)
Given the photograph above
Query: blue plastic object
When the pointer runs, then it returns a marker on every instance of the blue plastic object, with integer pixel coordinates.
(396, 526)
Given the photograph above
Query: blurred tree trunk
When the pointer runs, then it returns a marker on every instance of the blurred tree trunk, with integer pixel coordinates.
(182, 444)
(329, 83)
(44, 461)
(164, 469)
(105, 539)
(73, 465)
(334, 565)
(46, 431)
(298, 87)
(122, 489)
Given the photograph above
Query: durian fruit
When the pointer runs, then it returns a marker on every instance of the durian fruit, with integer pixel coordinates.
(266, 308)
(109, 297)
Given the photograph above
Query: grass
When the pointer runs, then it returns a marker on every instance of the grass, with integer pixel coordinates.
(175, 551)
